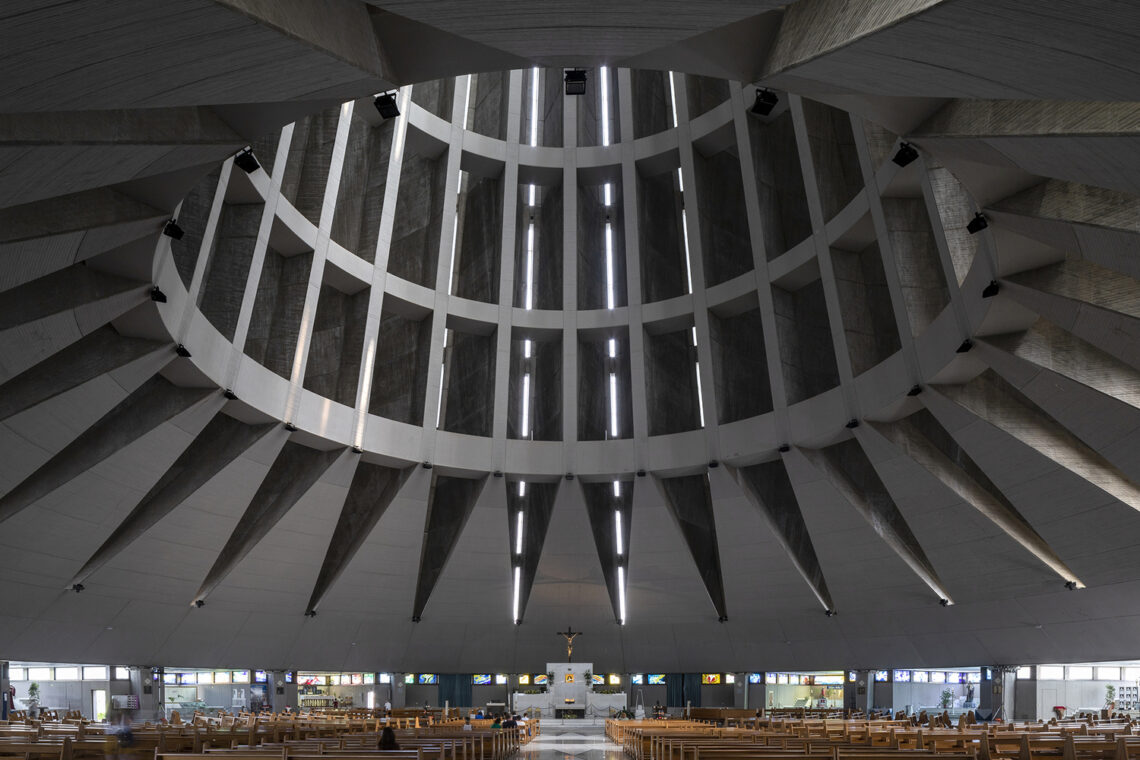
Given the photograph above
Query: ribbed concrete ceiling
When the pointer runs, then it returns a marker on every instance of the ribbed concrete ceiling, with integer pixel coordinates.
(1012, 471)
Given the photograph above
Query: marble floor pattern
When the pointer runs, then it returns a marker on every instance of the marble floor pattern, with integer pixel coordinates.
(581, 740)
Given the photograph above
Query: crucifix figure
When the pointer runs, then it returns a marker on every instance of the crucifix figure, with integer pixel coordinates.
(569, 634)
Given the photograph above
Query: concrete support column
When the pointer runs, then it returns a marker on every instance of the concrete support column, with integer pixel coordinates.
(147, 683)
(281, 693)
(862, 690)
(399, 693)
(5, 699)
(996, 695)
(740, 691)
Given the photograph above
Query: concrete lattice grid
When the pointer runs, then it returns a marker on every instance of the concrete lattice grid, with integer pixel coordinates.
(827, 283)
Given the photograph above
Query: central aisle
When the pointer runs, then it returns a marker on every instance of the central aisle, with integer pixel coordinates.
(579, 739)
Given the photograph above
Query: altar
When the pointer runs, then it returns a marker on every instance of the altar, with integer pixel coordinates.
(569, 694)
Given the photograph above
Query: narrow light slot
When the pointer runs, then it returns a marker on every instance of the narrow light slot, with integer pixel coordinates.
(607, 195)
(526, 348)
(522, 488)
(454, 245)
(617, 488)
(534, 106)
(613, 348)
(617, 528)
(673, 97)
(439, 402)
(700, 396)
(609, 266)
(526, 406)
(613, 406)
(518, 581)
(604, 76)
(621, 594)
(531, 201)
(681, 184)
(467, 100)
(519, 533)
(685, 238)
(530, 266)
(694, 334)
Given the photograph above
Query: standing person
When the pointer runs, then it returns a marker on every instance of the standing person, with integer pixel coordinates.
(387, 707)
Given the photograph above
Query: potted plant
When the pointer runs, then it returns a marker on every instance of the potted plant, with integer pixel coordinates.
(1110, 696)
(945, 699)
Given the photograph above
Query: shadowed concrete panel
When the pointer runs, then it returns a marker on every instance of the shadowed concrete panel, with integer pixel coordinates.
(480, 233)
(921, 277)
(995, 401)
(601, 507)
(536, 505)
(435, 96)
(292, 474)
(220, 442)
(704, 93)
(927, 443)
(726, 250)
(779, 184)
(356, 222)
(594, 368)
(956, 208)
(834, 156)
(671, 383)
(399, 376)
(265, 149)
(489, 103)
(307, 166)
(546, 287)
(278, 307)
(865, 306)
(852, 475)
(469, 405)
(192, 217)
(101, 351)
(90, 209)
(651, 105)
(67, 289)
(544, 390)
(223, 285)
(335, 349)
(690, 502)
(770, 490)
(152, 403)
(740, 367)
(662, 250)
(449, 505)
(372, 490)
(414, 252)
(592, 217)
(807, 353)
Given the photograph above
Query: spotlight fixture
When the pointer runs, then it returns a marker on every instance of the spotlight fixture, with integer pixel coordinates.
(944, 602)
(157, 295)
(852, 424)
(830, 613)
(182, 351)
(199, 603)
(569, 476)
(766, 100)
(230, 395)
(290, 427)
(497, 473)
(246, 162)
(914, 390)
(415, 618)
(518, 621)
(426, 465)
(991, 290)
(386, 105)
(172, 230)
(906, 154)
(575, 81)
(713, 464)
(77, 587)
(965, 347)
(722, 619)
(1071, 585)
(641, 473)
(357, 450)
(977, 224)
(310, 613)
(783, 448)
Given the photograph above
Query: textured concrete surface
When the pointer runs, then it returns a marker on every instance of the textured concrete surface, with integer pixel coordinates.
(537, 505)
(780, 184)
(663, 273)
(227, 267)
(192, 218)
(743, 388)
(592, 217)
(481, 230)
(807, 354)
(337, 345)
(545, 369)
(671, 383)
(277, 311)
(399, 376)
(469, 398)
(601, 504)
(548, 222)
(834, 156)
(921, 275)
(414, 253)
(726, 251)
(307, 166)
(449, 506)
(690, 502)
(651, 110)
(360, 200)
(868, 320)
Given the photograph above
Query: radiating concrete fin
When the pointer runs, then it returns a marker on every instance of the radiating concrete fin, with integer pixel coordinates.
(220, 442)
(372, 490)
(292, 474)
(995, 401)
(770, 490)
(690, 502)
(152, 403)
(851, 473)
(99, 352)
(601, 504)
(449, 505)
(927, 443)
(67, 289)
(537, 504)
(87, 210)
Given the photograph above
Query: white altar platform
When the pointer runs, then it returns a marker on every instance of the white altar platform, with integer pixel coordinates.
(569, 695)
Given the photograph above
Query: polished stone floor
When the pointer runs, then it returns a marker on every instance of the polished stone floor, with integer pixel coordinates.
(571, 740)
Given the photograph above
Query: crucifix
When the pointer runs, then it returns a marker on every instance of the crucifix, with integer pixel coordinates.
(569, 634)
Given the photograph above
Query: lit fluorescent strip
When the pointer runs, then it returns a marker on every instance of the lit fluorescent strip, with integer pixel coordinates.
(518, 581)
(454, 240)
(530, 266)
(617, 527)
(526, 406)
(621, 594)
(609, 198)
(522, 488)
(613, 406)
(700, 397)
(613, 348)
(617, 488)
(685, 238)
(673, 97)
(610, 266)
(604, 76)
(467, 100)
(519, 533)
(526, 349)
(439, 401)
(534, 106)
